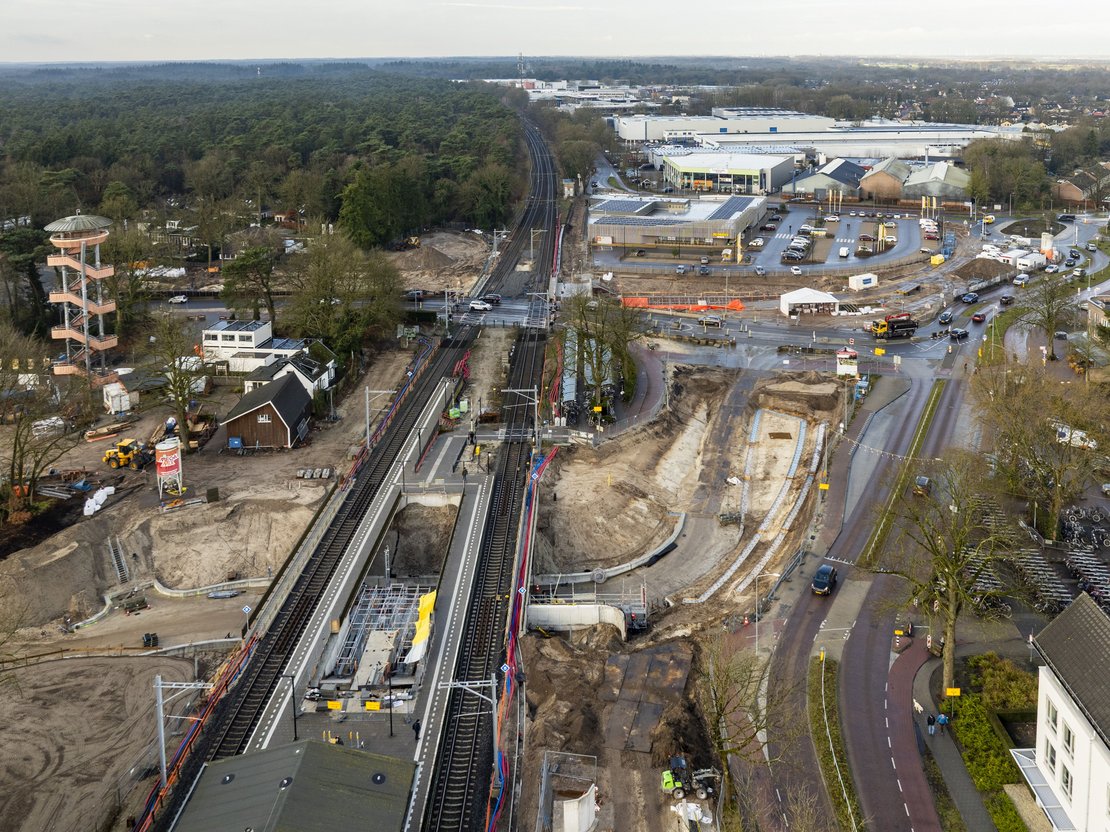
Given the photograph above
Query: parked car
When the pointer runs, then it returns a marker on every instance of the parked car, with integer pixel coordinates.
(970, 297)
(770, 226)
(979, 318)
(958, 334)
(178, 299)
(1051, 268)
(1021, 280)
(1006, 300)
(824, 579)
(776, 218)
(931, 236)
(945, 317)
(796, 271)
(760, 270)
(756, 243)
(480, 306)
(710, 320)
(1092, 246)
(832, 218)
(866, 238)
(680, 269)
(703, 270)
(704, 261)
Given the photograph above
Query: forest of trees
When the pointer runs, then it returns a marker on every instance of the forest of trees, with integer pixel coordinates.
(382, 153)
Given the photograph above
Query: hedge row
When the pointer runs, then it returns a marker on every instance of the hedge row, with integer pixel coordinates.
(988, 760)
(830, 757)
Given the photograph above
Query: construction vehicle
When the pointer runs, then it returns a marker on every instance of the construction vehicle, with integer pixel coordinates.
(128, 453)
(679, 781)
(900, 325)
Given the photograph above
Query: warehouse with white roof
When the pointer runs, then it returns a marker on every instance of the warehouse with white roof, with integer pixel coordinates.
(667, 223)
(736, 173)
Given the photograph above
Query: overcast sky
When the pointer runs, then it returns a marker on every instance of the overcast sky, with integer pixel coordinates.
(128, 30)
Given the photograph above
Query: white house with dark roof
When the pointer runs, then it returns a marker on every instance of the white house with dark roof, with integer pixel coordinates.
(1069, 770)
(314, 376)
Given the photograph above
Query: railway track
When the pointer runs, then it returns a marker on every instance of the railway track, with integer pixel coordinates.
(237, 715)
(460, 790)
(250, 695)
(539, 214)
(461, 785)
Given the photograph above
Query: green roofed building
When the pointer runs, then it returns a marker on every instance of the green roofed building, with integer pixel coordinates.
(307, 786)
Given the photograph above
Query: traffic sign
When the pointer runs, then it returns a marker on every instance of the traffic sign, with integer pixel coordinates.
(504, 668)
(951, 691)
(246, 610)
(851, 342)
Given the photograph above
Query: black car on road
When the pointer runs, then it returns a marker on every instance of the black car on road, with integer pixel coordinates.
(824, 579)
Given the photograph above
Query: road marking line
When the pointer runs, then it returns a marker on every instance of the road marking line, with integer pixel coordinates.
(907, 808)
(898, 780)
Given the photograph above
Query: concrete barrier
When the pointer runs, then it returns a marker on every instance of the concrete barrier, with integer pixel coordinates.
(571, 617)
(600, 576)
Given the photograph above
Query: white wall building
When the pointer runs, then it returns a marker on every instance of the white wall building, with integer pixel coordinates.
(1069, 770)
(247, 345)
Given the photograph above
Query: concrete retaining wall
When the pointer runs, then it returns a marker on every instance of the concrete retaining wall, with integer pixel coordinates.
(570, 617)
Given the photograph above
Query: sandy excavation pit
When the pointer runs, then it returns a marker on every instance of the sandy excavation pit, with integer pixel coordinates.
(605, 506)
(444, 260)
(418, 539)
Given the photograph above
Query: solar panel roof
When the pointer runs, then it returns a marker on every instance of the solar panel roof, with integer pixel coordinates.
(731, 206)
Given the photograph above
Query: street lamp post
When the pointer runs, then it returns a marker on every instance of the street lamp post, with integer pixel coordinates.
(292, 702)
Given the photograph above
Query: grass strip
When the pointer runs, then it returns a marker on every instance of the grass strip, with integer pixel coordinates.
(824, 724)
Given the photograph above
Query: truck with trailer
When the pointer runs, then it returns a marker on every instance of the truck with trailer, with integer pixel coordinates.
(898, 325)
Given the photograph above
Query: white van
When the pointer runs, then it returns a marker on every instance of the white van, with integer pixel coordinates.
(845, 251)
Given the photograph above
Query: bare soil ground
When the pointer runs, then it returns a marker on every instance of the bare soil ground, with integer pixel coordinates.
(981, 268)
(605, 506)
(262, 510)
(419, 537)
(566, 714)
(567, 708)
(444, 260)
(70, 734)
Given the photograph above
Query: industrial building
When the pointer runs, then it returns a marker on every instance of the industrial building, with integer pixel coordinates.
(737, 173)
(836, 177)
(731, 120)
(667, 223)
(869, 140)
(884, 181)
(942, 180)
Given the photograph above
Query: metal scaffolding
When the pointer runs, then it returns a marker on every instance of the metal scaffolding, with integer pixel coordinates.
(379, 608)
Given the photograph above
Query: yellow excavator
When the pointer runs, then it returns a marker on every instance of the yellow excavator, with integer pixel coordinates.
(128, 453)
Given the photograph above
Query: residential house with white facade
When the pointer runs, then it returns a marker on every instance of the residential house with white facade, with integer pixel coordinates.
(1069, 770)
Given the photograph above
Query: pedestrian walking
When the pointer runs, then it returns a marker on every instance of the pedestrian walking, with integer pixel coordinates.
(932, 723)
(942, 722)
(416, 730)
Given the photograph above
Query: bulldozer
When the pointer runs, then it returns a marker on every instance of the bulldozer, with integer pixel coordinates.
(128, 453)
(679, 781)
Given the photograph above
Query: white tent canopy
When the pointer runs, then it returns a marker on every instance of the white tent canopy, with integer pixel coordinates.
(807, 300)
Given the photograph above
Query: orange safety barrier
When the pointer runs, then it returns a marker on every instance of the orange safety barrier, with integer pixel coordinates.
(644, 303)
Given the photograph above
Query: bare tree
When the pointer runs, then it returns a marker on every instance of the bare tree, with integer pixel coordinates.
(607, 328)
(1048, 304)
(1046, 435)
(177, 356)
(37, 433)
(128, 249)
(343, 294)
(741, 703)
(946, 542)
